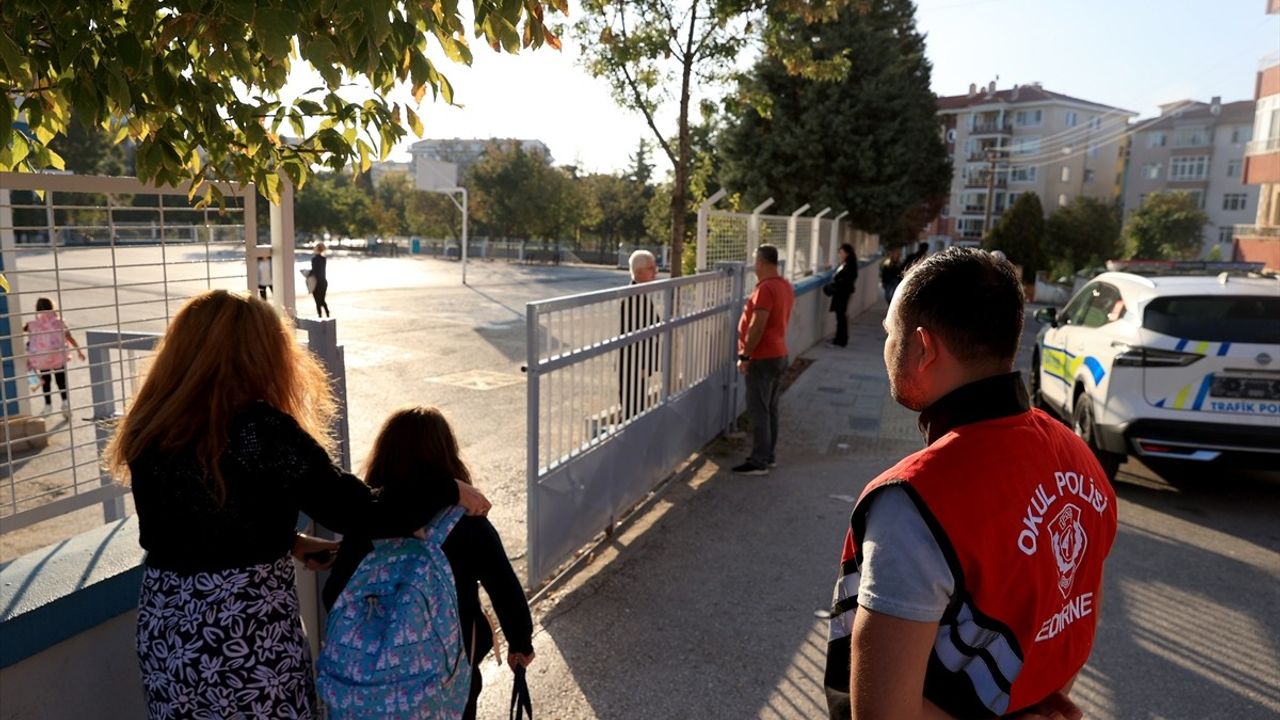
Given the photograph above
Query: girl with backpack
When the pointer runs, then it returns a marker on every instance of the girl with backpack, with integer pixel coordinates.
(224, 444)
(47, 342)
(417, 447)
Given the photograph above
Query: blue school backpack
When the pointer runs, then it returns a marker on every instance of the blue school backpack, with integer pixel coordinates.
(393, 646)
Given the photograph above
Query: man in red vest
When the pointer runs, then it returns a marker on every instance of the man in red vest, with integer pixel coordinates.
(971, 578)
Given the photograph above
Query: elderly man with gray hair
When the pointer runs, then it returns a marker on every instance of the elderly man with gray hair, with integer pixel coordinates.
(640, 360)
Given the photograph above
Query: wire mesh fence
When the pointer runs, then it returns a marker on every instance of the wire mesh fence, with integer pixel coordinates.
(95, 269)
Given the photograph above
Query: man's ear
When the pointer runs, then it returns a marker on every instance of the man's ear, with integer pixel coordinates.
(928, 348)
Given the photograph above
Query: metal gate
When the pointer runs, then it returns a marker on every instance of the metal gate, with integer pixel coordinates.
(116, 258)
(623, 386)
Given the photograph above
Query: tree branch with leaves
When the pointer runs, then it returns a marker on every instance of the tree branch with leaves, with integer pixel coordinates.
(197, 84)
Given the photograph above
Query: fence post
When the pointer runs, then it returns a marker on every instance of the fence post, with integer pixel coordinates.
(17, 403)
(792, 222)
(753, 229)
(533, 382)
(835, 236)
(815, 235)
(282, 248)
(738, 275)
(704, 217)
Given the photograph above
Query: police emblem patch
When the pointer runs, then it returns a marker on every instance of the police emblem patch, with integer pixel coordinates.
(1069, 542)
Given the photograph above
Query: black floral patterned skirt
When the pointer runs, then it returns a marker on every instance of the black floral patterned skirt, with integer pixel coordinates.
(226, 644)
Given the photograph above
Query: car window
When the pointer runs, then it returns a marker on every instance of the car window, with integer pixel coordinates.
(1216, 318)
(1073, 313)
(1104, 306)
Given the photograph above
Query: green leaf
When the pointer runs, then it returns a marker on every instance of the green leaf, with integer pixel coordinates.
(11, 56)
(119, 92)
(274, 30)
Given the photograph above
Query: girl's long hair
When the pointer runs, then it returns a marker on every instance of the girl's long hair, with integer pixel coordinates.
(414, 444)
(222, 352)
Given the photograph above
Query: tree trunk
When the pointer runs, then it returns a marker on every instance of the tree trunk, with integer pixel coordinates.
(679, 193)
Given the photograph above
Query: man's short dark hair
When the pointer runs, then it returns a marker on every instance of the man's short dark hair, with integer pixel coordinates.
(768, 253)
(970, 299)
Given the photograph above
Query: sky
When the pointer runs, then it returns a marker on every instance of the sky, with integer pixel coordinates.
(1132, 54)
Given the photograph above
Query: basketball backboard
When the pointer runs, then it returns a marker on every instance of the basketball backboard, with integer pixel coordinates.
(436, 175)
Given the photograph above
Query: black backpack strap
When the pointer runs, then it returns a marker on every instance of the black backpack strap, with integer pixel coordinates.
(521, 705)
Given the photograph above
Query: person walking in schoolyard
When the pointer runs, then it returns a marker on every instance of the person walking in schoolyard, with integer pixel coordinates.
(319, 271)
(762, 357)
(971, 576)
(841, 288)
(47, 342)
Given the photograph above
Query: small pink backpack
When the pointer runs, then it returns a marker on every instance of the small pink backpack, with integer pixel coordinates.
(47, 344)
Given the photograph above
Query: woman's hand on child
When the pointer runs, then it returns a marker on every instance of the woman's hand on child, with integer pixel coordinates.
(472, 500)
(315, 553)
(80, 353)
(516, 659)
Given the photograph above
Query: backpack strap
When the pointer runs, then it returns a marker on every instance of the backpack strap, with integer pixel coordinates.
(443, 523)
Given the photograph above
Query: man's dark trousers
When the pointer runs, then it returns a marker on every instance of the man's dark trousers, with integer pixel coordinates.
(764, 389)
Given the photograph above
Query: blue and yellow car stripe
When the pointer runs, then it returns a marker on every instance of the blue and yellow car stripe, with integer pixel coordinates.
(1060, 363)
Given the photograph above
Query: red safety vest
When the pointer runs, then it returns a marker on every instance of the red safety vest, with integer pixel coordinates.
(1025, 517)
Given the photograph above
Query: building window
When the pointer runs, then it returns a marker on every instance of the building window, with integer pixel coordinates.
(1235, 201)
(1062, 200)
(1191, 137)
(1026, 145)
(1095, 122)
(1093, 150)
(1072, 119)
(1188, 167)
(1028, 118)
(1240, 134)
(1233, 168)
(1155, 139)
(1151, 171)
(1066, 173)
(1226, 234)
(1022, 174)
(1197, 196)
(1088, 175)
(1142, 199)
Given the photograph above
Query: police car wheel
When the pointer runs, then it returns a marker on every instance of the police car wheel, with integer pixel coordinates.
(1082, 424)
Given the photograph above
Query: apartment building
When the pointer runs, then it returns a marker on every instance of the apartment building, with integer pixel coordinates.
(1027, 139)
(466, 152)
(1261, 241)
(1197, 148)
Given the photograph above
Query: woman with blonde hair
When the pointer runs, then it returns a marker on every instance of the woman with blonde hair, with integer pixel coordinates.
(226, 441)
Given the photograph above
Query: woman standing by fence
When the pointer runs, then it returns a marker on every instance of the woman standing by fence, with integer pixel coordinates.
(226, 441)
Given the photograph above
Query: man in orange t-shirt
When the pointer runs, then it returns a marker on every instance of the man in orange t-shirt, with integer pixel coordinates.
(762, 357)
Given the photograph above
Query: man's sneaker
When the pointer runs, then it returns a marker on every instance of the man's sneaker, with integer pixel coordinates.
(66, 409)
(750, 468)
(772, 464)
(48, 408)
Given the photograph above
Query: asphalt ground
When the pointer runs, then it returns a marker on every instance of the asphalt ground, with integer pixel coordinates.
(705, 606)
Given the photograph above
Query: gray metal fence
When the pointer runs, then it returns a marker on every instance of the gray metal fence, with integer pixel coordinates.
(117, 258)
(623, 385)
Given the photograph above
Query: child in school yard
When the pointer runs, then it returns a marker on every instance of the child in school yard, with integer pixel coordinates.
(414, 444)
(47, 343)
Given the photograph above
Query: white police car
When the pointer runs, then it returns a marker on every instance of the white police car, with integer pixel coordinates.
(1167, 361)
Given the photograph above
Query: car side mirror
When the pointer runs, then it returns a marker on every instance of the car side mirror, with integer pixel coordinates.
(1047, 316)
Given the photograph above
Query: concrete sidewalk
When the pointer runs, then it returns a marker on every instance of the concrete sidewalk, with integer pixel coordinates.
(705, 606)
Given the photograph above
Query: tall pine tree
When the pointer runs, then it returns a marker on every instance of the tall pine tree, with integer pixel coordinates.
(867, 141)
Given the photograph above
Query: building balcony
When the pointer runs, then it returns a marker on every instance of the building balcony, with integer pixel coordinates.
(1259, 231)
(992, 128)
(980, 181)
(980, 211)
(1260, 147)
(1262, 162)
